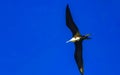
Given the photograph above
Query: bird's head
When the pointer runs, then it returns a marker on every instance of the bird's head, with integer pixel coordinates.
(74, 39)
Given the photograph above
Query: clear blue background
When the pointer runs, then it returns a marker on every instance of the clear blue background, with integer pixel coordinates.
(33, 35)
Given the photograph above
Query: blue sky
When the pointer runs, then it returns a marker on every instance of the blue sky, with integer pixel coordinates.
(33, 35)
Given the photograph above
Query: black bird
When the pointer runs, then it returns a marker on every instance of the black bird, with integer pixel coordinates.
(77, 39)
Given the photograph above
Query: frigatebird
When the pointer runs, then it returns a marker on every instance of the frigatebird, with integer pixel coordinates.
(77, 38)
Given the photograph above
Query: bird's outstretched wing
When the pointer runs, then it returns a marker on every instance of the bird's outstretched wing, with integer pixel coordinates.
(78, 56)
(69, 21)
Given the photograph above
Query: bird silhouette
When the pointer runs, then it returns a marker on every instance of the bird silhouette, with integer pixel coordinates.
(77, 39)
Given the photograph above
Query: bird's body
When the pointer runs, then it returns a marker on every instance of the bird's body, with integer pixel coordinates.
(77, 39)
(74, 39)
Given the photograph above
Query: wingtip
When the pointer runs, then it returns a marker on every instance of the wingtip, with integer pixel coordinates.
(81, 70)
(67, 6)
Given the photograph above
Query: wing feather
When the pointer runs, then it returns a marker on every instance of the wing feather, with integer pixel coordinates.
(69, 21)
(78, 55)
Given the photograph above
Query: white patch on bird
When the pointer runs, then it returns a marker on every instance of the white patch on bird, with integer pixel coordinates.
(81, 70)
(77, 38)
(74, 39)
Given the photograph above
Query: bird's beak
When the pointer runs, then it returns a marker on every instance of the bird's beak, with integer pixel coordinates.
(71, 40)
(68, 41)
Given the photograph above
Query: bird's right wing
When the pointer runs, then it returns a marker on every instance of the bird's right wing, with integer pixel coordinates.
(69, 22)
(78, 56)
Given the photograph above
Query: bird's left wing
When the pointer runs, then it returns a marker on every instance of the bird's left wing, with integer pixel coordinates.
(78, 56)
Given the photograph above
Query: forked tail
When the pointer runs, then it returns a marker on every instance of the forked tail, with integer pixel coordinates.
(87, 36)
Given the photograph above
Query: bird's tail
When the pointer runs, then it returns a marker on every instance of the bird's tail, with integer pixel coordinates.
(87, 36)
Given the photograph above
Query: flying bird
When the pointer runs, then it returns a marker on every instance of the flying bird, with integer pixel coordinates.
(77, 39)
